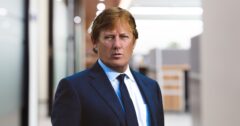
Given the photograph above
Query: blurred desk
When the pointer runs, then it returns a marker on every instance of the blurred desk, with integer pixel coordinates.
(173, 87)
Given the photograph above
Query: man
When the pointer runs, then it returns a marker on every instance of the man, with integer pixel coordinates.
(109, 93)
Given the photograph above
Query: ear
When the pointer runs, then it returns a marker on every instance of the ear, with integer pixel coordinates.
(95, 48)
(134, 43)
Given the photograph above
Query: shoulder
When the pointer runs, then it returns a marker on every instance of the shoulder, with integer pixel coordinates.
(142, 77)
(149, 84)
(75, 79)
(83, 77)
(79, 75)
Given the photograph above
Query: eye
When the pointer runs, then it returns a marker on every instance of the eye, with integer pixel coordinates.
(124, 36)
(109, 37)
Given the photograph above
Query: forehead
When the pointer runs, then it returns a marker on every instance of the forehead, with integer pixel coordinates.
(120, 25)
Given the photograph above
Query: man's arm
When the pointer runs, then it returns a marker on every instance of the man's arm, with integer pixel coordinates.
(160, 106)
(66, 106)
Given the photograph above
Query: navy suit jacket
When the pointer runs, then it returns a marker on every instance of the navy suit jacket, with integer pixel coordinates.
(88, 99)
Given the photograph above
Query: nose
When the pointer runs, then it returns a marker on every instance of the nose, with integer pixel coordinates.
(117, 43)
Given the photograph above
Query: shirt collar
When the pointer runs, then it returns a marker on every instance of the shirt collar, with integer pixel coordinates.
(111, 74)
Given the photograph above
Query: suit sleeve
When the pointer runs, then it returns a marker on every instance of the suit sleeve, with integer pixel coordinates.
(66, 107)
(160, 108)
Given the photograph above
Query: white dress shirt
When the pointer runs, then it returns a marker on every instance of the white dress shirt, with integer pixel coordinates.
(134, 92)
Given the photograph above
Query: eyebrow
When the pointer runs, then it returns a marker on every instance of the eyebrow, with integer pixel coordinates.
(111, 33)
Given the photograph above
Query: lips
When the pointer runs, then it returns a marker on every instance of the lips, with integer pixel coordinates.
(117, 55)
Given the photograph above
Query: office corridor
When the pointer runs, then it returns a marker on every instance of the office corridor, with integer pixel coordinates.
(189, 47)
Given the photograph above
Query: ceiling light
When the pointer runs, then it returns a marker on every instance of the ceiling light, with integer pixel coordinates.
(3, 12)
(101, 6)
(98, 12)
(77, 19)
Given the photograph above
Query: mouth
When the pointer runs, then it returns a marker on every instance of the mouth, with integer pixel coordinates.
(117, 55)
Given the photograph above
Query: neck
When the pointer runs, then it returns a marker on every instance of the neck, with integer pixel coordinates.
(119, 69)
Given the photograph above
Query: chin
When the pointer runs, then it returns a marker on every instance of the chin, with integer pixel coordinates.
(117, 65)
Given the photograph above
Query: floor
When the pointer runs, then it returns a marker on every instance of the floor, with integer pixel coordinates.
(178, 119)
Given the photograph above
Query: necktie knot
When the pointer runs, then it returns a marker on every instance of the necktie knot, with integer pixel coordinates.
(121, 78)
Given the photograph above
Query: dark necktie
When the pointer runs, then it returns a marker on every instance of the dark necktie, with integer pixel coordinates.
(130, 114)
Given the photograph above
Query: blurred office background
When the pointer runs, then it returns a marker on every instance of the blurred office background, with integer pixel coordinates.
(191, 47)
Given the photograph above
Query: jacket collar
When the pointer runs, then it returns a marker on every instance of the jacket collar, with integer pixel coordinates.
(146, 92)
(102, 85)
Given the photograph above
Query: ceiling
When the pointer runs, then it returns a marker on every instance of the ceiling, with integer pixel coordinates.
(90, 7)
(166, 3)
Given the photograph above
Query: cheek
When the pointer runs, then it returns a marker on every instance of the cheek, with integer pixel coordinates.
(130, 49)
(104, 50)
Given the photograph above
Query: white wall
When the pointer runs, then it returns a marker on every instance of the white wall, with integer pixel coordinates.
(38, 50)
(220, 60)
(43, 50)
(33, 62)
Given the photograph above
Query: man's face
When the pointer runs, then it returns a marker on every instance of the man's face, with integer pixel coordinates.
(115, 46)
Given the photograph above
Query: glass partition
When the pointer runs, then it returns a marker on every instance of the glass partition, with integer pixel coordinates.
(11, 63)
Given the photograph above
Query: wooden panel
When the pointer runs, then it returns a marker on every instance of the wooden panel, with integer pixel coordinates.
(171, 77)
(172, 102)
(173, 87)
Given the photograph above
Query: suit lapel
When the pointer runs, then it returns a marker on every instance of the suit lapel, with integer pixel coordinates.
(146, 93)
(103, 86)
